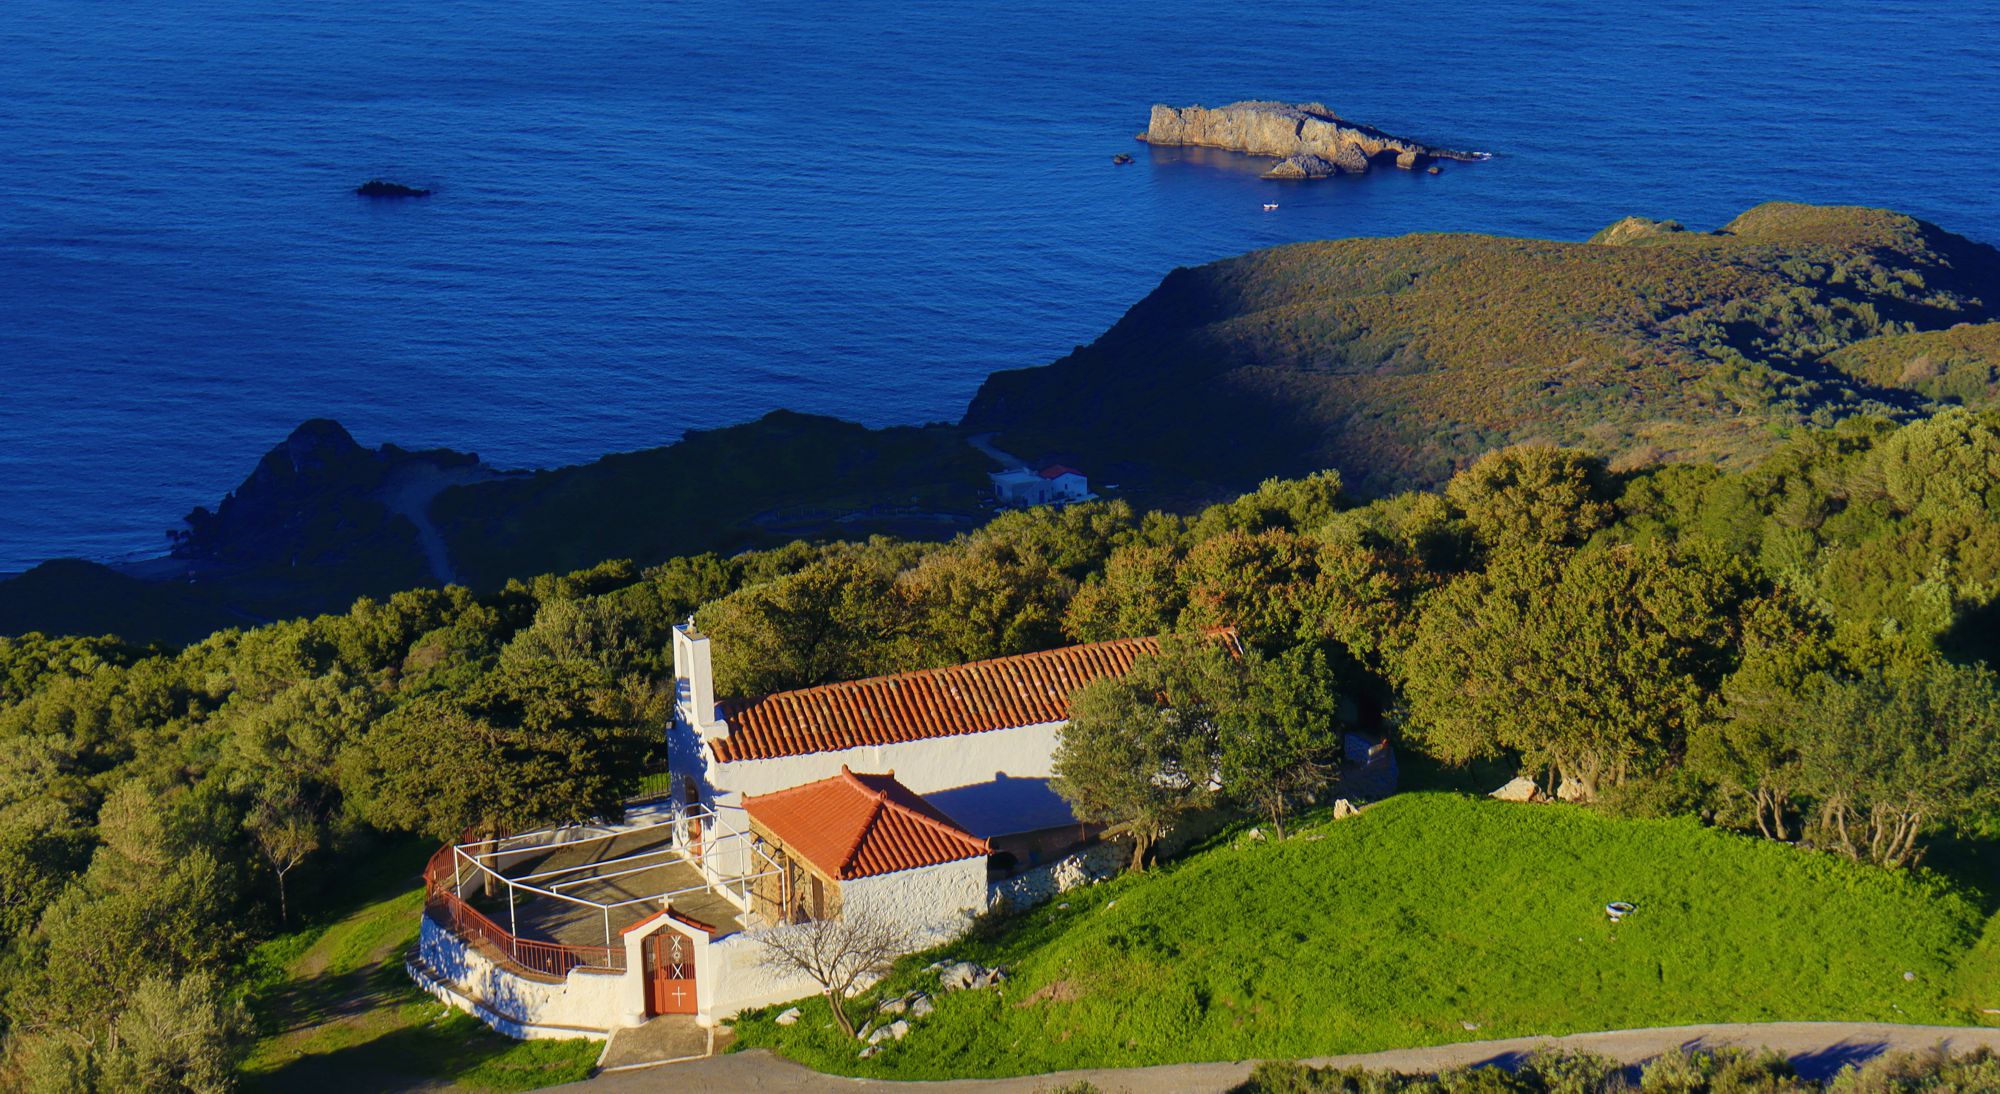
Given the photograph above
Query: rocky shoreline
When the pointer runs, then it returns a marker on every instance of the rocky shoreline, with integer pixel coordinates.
(1308, 140)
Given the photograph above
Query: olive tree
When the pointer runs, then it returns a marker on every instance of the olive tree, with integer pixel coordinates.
(1140, 750)
(1532, 495)
(1279, 739)
(286, 825)
(1892, 755)
(1593, 663)
(541, 743)
(1198, 719)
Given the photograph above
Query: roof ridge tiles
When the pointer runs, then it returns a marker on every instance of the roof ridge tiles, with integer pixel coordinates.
(853, 825)
(868, 825)
(978, 696)
(942, 670)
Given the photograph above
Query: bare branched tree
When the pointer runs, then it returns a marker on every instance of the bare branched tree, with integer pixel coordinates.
(838, 953)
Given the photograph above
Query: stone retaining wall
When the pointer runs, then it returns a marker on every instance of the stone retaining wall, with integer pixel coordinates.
(1043, 883)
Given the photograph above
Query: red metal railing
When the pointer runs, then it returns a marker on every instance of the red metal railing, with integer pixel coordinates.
(438, 871)
(555, 959)
(441, 871)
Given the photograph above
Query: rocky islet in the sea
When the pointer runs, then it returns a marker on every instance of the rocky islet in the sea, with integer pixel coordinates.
(382, 188)
(1308, 140)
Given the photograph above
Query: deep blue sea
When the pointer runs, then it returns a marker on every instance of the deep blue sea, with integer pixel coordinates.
(658, 215)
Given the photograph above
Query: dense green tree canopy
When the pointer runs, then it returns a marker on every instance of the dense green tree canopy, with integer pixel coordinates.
(521, 748)
(1592, 663)
(1794, 648)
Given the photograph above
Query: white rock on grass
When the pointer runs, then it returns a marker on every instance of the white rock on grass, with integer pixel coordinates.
(894, 1031)
(921, 1005)
(788, 1017)
(965, 975)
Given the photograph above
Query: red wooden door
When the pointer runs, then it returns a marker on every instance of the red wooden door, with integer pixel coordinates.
(669, 973)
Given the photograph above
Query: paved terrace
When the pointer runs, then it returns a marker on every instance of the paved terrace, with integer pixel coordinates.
(561, 921)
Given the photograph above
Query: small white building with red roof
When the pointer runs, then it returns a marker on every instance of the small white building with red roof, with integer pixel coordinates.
(1055, 484)
(853, 840)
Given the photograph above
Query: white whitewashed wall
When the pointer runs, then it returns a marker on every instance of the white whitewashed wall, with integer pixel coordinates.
(926, 766)
(936, 903)
(588, 1002)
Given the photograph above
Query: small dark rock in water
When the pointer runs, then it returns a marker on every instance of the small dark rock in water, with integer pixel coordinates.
(1121, 159)
(378, 188)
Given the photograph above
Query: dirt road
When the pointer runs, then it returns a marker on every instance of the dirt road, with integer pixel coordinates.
(1817, 1049)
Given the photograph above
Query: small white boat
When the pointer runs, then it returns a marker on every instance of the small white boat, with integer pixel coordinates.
(1270, 205)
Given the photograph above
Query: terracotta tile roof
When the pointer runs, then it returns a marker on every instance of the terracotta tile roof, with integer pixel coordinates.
(851, 826)
(1024, 690)
(1056, 471)
(668, 913)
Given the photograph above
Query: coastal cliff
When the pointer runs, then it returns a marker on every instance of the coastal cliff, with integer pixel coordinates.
(1394, 360)
(1308, 140)
(1398, 361)
(317, 500)
(323, 520)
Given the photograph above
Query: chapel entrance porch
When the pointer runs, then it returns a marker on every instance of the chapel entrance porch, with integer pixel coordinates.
(625, 876)
(558, 899)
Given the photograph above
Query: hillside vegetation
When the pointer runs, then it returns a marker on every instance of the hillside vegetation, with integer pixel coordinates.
(1687, 1070)
(1429, 918)
(1397, 360)
(335, 1012)
(323, 521)
(1960, 364)
(782, 477)
(1797, 649)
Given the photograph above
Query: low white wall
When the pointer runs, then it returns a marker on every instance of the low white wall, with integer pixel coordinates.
(449, 994)
(734, 977)
(587, 1000)
(646, 813)
(935, 903)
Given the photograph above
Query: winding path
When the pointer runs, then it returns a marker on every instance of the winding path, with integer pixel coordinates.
(1817, 1049)
(409, 494)
(984, 443)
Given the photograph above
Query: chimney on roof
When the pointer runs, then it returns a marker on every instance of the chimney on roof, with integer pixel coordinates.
(694, 684)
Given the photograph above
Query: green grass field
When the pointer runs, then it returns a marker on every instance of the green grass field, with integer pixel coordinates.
(1435, 918)
(336, 1013)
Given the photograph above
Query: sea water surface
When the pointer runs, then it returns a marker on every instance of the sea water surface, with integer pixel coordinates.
(661, 215)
